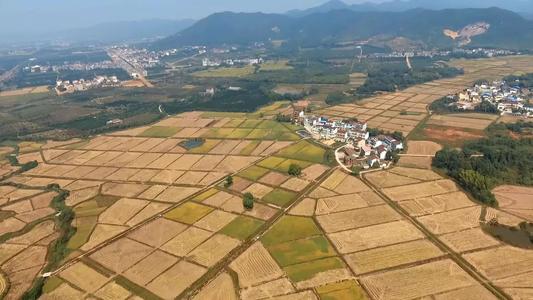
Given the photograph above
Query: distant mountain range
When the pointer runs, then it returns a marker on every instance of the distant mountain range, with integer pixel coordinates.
(523, 7)
(503, 28)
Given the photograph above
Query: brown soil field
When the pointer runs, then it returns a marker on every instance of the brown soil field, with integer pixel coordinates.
(220, 288)
(232, 164)
(455, 135)
(392, 256)
(191, 177)
(258, 190)
(176, 279)
(330, 205)
(255, 266)
(144, 175)
(121, 255)
(35, 215)
(102, 159)
(374, 236)
(34, 256)
(144, 160)
(240, 147)
(313, 172)
(418, 281)
(186, 241)
(501, 262)
(516, 199)
(100, 173)
(468, 240)
(121, 211)
(113, 291)
(452, 221)
(261, 147)
(357, 218)
(176, 194)
(148, 144)
(102, 233)
(266, 290)
(260, 211)
(11, 225)
(218, 199)
(423, 148)
(224, 147)
(152, 192)
(275, 148)
(165, 146)
(415, 162)
(211, 178)
(150, 210)
(420, 190)
(274, 178)
(388, 179)
(79, 172)
(436, 204)
(84, 277)
(305, 208)
(207, 163)
(459, 122)
(167, 176)
(150, 267)
(213, 250)
(122, 174)
(424, 175)
(324, 278)
(472, 292)
(64, 291)
(39, 232)
(295, 184)
(215, 221)
(240, 184)
(157, 232)
(123, 189)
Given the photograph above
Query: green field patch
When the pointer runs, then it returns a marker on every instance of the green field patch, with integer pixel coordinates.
(84, 228)
(308, 270)
(289, 136)
(253, 173)
(284, 166)
(135, 289)
(203, 196)
(260, 134)
(250, 123)
(234, 123)
(304, 151)
(95, 206)
(226, 72)
(239, 133)
(242, 227)
(250, 148)
(51, 284)
(217, 114)
(218, 133)
(290, 228)
(271, 162)
(160, 131)
(188, 213)
(279, 65)
(348, 289)
(268, 124)
(300, 251)
(207, 146)
(280, 197)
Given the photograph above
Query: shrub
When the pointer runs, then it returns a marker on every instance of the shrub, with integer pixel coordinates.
(295, 170)
(248, 201)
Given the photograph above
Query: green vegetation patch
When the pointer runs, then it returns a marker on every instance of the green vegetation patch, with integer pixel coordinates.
(239, 133)
(218, 133)
(285, 165)
(84, 228)
(51, 284)
(95, 206)
(308, 270)
(250, 148)
(188, 213)
(226, 72)
(304, 151)
(341, 290)
(242, 227)
(301, 251)
(135, 289)
(279, 65)
(290, 228)
(260, 134)
(254, 173)
(271, 162)
(250, 123)
(268, 124)
(234, 123)
(203, 196)
(207, 146)
(160, 131)
(280, 197)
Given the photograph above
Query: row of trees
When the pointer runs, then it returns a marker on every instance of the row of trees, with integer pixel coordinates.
(499, 160)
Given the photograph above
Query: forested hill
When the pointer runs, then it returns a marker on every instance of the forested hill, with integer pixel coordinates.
(507, 29)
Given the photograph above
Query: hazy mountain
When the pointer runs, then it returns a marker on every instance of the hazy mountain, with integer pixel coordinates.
(107, 32)
(506, 29)
(524, 7)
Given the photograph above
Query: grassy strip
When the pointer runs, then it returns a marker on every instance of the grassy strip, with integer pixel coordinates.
(57, 250)
(135, 289)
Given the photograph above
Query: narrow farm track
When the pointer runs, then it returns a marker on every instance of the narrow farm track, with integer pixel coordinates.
(458, 259)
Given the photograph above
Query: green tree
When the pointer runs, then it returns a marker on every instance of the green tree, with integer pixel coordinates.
(248, 201)
(356, 170)
(228, 182)
(295, 170)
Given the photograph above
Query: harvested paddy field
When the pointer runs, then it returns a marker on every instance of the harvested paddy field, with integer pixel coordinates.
(516, 200)
(423, 148)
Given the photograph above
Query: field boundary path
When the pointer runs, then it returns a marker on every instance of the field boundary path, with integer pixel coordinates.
(458, 259)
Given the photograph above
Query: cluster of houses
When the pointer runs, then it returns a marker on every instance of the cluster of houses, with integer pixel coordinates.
(508, 98)
(67, 86)
(360, 149)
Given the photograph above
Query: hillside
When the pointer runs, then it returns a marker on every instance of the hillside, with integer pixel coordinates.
(507, 29)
